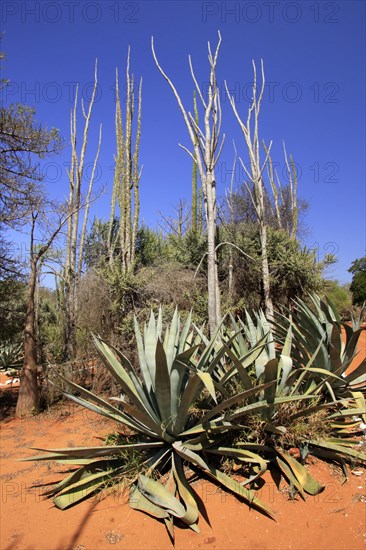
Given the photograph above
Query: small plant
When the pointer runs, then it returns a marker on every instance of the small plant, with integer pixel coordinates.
(10, 356)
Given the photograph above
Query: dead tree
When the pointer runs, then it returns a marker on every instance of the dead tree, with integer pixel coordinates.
(127, 175)
(286, 207)
(255, 174)
(75, 240)
(206, 152)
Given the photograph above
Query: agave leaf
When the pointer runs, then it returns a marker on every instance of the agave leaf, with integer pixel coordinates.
(335, 348)
(189, 455)
(171, 348)
(313, 409)
(150, 347)
(206, 378)
(360, 402)
(159, 323)
(286, 470)
(169, 524)
(162, 383)
(209, 427)
(89, 395)
(119, 373)
(160, 496)
(342, 441)
(122, 417)
(184, 334)
(117, 418)
(84, 487)
(331, 455)
(350, 350)
(358, 375)
(326, 373)
(307, 482)
(145, 396)
(234, 400)
(179, 375)
(90, 452)
(244, 362)
(339, 449)
(185, 492)
(139, 502)
(330, 390)
(243, 455)
(285, 367)
(256, 446)
(187, 399)
(140, 416)
(262, 405)
(236, 488)
(142, 359)
(270, 375)
(348, 412)
(251, 330)
(76, 475)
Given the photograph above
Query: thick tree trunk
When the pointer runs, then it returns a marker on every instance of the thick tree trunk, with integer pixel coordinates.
(28, 399)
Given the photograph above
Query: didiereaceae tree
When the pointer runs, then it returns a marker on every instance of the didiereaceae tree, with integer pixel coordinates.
(127, 173)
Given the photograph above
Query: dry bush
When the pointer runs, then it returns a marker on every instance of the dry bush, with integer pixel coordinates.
(170, 283)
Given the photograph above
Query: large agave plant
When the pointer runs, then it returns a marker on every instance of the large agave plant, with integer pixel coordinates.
(297, 389)
(158, 404)
(319, 350)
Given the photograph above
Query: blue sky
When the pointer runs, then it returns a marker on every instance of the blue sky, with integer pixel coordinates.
(314, 55)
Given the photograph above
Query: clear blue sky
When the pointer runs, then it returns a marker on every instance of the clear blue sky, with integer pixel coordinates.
(314, 55)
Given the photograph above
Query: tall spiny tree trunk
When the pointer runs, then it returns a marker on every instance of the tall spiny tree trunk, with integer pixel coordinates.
(74, 244)
(205, 142)
(127, 175)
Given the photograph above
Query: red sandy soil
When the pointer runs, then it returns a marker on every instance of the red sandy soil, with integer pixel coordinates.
(335, 519)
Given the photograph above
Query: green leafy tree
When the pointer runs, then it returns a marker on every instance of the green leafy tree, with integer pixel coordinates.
(358, 286)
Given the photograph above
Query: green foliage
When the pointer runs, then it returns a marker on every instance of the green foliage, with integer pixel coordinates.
(12, 309)
(318, 350)
(21, 139)
(150, 247)
(358, 286)
(10, 355)
(293, 268)
(49, 338)
(187, 249)
(340, 296)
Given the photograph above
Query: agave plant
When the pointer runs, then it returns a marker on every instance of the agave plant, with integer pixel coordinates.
(293, 398)
(157, 404)
(319, 350)
(10, 355)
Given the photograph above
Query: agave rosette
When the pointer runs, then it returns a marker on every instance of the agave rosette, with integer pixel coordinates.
(156, 404)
